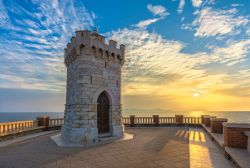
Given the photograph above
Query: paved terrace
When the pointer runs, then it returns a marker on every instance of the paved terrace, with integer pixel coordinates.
(170, 147)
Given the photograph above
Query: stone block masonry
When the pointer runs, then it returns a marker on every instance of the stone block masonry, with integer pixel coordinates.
(216, 125)
(234, 135)
(93, 88)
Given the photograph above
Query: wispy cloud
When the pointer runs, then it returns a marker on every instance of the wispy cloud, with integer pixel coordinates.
(157, 66)
(145, 23)
(157, 10)
(196, 3)
(211, 22)
(33, 57)
(4, 18)
(181, 6)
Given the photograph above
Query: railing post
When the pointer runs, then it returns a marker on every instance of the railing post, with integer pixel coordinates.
(179, 119)
(156, 120)
(132, 120)
(43, 121)
(203, 118)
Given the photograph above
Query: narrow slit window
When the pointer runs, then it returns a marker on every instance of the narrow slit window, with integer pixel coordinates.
(117, 83)
(105, 64)
(91, 79)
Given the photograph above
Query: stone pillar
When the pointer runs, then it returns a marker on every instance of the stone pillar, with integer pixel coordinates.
(132, 120)
(43, 121)
(216, 125)
(202, 118)
(234, 135)
(156, 120)
(207, 120)
(247, 133)
(179, 119)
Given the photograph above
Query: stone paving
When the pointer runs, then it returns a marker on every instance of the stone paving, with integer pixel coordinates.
(169, 147)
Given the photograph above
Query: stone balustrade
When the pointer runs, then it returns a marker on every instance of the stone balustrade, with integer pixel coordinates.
(155, 120)
(10, 127)
(56, 122)
(236, 135)
(19, 127)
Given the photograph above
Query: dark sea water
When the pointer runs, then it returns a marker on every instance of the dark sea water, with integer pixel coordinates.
(232, 116)
(20, 116)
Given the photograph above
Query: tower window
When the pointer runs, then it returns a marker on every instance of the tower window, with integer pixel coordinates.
(105, 64)
(91, 80)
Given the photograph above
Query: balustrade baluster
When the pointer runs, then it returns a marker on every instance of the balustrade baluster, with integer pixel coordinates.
(8, 127)
(4, 128)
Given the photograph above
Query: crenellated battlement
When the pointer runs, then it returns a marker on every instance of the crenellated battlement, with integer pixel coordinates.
(86, 42)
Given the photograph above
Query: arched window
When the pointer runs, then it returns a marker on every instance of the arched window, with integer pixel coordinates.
(113, 55)
(81, 48)
(106, 54)
(93, 49)
(100, 52)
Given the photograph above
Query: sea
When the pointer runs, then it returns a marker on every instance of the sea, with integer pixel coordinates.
(232, 116)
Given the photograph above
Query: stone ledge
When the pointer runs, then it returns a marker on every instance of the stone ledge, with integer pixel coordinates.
(247, 133)
(239, 157)
(236, 125)
(219, 119)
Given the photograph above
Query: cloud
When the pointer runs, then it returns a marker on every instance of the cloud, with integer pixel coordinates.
(4, 18)
(181, 6)
(158, 10)
(157, 66)
(32, 46)
(145, 23)
(210, 22)
(235, 52)
(196, 3)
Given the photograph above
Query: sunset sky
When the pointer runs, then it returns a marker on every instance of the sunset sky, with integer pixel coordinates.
(180, 54)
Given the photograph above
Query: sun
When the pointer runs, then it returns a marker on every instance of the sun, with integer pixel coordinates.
(196, 94)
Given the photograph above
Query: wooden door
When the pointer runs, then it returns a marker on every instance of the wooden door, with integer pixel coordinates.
(103, 113)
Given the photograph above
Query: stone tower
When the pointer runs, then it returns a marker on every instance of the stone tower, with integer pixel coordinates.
(93, 107)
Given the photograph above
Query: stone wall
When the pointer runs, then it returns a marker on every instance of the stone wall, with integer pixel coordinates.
(234, 135)
(216, 125)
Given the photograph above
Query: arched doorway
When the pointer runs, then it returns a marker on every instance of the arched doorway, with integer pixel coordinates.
(103, 113)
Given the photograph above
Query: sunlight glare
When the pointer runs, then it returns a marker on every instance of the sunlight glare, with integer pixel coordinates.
(196, 94)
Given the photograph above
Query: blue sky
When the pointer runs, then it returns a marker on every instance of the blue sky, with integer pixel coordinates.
(178, 51)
